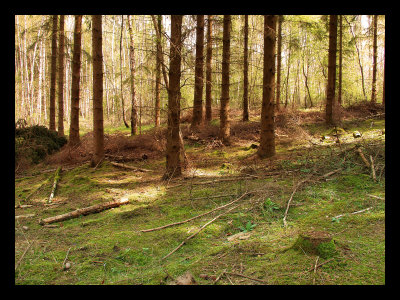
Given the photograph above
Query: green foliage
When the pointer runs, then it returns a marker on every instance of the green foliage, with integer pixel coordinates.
(35, 142)
(249, 226)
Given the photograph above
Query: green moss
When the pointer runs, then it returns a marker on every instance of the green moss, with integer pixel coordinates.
(327, 250)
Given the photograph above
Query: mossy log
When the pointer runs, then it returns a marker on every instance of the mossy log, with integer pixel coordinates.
(84, 211)
(316, 242)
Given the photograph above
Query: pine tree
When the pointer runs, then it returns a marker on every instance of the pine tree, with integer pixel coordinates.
(208, 69)
(330, 99)
(61, 56)
(267, 134)
(246, 70)
(76, 70)
(53, 75)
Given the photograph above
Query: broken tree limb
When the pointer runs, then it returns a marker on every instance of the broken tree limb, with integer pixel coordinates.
(129, 167)
(84, 211)
(353, 213)
(56, 179)
(191, 219)
(372, 168)
(363, 157)
(24, 216)
(198, 231)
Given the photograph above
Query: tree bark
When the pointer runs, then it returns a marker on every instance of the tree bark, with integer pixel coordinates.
(375, 59)
(75, 88)
(173, 155)
(267, 135)
(61, 56)
(279, 63)
(198, 80)
(340, 60)
(158, 77)
(246, 70)
(208, 69)
(98, 127)
(120, 69)
(132, 69)
(330, 99)
(224, 129)
(52, 108)
(84, 211)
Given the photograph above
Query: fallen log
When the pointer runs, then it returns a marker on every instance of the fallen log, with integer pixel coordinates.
(56, 179)
(24, 216)
(84, 211)
(363, 158)
(129, 167)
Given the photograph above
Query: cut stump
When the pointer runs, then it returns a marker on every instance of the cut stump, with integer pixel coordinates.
(316, 242)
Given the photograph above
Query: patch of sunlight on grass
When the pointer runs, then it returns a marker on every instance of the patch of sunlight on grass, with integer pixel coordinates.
(147, 194)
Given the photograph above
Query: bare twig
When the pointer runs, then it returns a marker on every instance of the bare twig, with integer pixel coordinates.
(197, 232)
(56, 179)
(66, 256)
(363, 157)
(372, 168)
(202, 215)
(377, 197)
(129, 167)
(353, 213)
(315, 269)
(321, 264)
(22, 256)
(244, 276)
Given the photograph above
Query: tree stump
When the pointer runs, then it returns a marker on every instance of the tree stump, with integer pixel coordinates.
(316, 242)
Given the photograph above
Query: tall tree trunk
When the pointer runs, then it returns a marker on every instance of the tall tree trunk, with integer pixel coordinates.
(246, 70)
(120, 69)
(132, 67)
(267, 134)
(208, 69)
(330, 99)
(288, 69)
(173, 155)
(383, 85)
(98, 127)
(61, 56)
(76, 77)
(198, 73)
(375, 59)
(158, 77)
(279, 62)
(52, 125)
(340, 59)
(224, 129)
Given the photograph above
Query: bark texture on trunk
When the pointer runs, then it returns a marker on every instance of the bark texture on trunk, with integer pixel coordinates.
(246, 70)
(76, 71)
(279, 63)
(158, 78)
(267, 135)
(375, 59)
(340, 60)
(198, 80)
(173, 156)
(330, 99)
(53, 76)
(224, 129)
(208, 69)
(98, 129)
(132, 69)
(61, 56)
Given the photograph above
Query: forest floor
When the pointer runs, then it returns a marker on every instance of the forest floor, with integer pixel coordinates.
(248, 245)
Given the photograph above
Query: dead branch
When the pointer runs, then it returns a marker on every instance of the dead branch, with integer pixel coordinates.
(191, 219)
(363, 157)
(24, 216)
(84, 211)
(65, 259)
(22, 256)
(377, 197)
(56, 179)
(23, 206)
(315, 269)
(197, 232)
(129, 167)
(353, 213)
(244, 276)
(372, 168)
(321, 264)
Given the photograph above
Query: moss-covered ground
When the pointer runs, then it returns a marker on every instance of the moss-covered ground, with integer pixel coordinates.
(108, 247)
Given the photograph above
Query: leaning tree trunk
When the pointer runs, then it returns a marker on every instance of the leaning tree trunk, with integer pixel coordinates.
(132, 68)
(224, 129)
(246, 70)
(279, 62)
(76, 71)
(98, 129)
(173, 157)
(330, 99)
(375, 56)
(52, 108)
(267, 134)
(208, 70)
(61, 56)
(198, 73)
